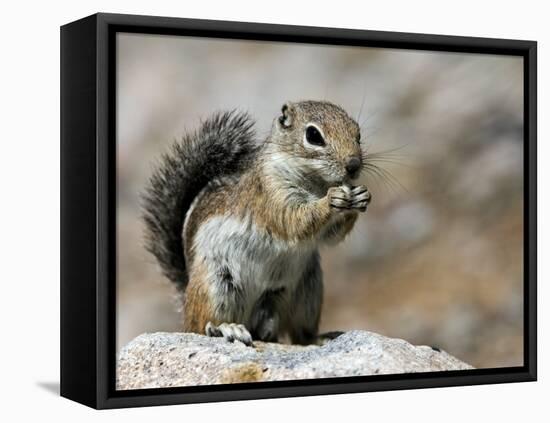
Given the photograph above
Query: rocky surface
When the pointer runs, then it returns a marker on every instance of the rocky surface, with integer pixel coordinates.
(179, 359)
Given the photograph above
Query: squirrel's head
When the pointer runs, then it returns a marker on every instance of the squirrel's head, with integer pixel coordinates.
(317, 139)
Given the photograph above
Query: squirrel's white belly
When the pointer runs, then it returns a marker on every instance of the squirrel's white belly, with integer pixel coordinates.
(256, 261)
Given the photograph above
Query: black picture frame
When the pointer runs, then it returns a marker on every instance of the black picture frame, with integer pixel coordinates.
(88, 216)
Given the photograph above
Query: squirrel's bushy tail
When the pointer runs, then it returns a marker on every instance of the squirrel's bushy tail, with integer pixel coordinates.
(223, 145)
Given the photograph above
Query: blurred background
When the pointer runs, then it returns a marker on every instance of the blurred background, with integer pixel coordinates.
(438, 257)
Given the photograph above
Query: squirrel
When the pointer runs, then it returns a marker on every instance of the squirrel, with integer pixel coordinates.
(236, 224)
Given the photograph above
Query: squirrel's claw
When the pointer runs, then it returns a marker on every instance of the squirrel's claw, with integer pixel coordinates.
(344, 198)
(230, 332)
(360, 198)
(339, 198)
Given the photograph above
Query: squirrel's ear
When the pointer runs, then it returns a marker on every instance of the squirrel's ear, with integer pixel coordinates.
(287, 115)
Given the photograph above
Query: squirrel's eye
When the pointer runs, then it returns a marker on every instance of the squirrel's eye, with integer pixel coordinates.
(314, 137)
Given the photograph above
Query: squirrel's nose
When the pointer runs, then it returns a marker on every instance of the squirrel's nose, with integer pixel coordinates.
(353, 164)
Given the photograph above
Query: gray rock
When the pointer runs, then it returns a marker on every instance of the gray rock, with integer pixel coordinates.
(179, 359)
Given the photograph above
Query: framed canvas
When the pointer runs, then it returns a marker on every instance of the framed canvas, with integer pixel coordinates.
(259, 211)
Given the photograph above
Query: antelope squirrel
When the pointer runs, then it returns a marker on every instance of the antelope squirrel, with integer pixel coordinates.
(237, 224)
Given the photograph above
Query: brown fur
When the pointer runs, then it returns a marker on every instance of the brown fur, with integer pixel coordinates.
(197, 305)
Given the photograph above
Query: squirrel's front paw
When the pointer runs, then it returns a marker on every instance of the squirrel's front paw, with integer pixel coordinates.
(344, 198)
(360, 198)
(339, 198)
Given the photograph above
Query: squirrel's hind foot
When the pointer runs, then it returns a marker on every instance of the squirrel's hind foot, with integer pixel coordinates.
(230, 332)
(326, 337)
